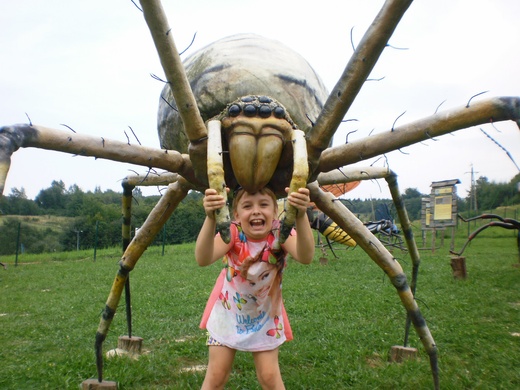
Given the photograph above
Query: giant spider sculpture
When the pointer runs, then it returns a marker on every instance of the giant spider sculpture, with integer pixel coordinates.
(248, 112)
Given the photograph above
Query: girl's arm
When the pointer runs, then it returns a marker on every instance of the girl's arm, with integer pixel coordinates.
(301, 246)
(209, 247)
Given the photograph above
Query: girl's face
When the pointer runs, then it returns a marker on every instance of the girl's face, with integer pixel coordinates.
(255, 213)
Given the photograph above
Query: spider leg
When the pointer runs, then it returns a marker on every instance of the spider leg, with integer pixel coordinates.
(298, 180)
(175, 74)
(511, 221)
(505, 223)
(24, 136)
(347, 174)
(406, 227)
(384, 259)
(144, 237)
(151, 179)
(126, 211)
(216, 177)
(355, 74)
(445, 122)
(366, 173)
(128, 184)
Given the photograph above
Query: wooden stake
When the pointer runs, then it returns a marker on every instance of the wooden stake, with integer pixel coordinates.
(458, 265)
(398, 353)
(132, 344)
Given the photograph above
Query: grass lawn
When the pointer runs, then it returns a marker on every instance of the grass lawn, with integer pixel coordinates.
(345, 316)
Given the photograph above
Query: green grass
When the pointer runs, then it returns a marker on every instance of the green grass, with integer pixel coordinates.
(345, 316)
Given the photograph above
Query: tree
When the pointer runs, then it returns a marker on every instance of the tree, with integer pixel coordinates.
(75, 201)
(99, 210)
(31, 239)
(8, 237)
(185, 223)
(17, 203)
(412, 199)
(52, 198)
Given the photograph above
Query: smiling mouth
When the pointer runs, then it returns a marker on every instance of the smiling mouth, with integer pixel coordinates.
(257, 222)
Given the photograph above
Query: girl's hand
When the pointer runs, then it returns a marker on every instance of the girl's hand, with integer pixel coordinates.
(300, 200)
(211, 202)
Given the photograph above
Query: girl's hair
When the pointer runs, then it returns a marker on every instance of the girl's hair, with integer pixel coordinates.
(240, 192)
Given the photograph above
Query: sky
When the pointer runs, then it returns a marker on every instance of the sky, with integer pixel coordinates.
(87, 64)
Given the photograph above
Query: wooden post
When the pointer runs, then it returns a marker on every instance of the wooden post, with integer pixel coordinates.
(132, 345)
(398, 353)
(458, 265)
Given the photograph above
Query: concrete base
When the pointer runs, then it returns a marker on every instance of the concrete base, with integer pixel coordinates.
(94, 384)
(398, 353)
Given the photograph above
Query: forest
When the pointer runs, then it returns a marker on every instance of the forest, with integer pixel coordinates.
(65, 219)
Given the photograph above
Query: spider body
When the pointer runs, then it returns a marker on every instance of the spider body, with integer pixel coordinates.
(260, 90)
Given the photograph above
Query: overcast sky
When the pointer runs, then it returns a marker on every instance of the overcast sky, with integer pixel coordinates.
(87, 64)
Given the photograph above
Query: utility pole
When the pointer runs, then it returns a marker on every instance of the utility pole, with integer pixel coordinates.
(473, 191)
(77, 238)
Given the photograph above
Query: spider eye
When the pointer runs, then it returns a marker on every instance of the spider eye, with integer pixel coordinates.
(264, 99)
(234, 110)
(264, 111)
(250, 110)
(279, 112)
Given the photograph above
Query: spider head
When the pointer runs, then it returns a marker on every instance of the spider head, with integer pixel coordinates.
(256, 130)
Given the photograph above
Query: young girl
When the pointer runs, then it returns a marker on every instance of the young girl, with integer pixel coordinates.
(245, 310)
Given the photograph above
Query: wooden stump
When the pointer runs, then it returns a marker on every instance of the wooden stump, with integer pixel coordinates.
(94, 384)
(324, 261)
(458, 265)
(399, 353)
(132, 344)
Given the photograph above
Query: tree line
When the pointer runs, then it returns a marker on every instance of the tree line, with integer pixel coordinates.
(93, 219)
